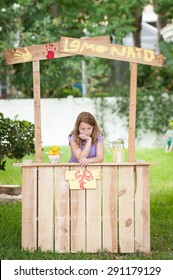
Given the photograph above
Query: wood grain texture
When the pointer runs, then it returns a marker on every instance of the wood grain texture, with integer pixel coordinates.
(29, 208)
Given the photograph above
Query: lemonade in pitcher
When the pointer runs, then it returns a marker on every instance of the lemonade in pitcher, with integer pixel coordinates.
(118, 150)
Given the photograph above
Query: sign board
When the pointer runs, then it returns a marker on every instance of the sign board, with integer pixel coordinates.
(110, 51)
(42, 52)
(82, 179)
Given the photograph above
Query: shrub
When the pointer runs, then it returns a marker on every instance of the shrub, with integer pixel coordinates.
(16, 139)
(65, 92)
(98, 94)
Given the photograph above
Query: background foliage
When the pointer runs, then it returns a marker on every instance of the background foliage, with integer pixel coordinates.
(32, 22)
(16, 139)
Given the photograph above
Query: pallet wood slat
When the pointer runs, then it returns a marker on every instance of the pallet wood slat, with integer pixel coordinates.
(136, 163)
(142, 210)
(110, 214)
(37, 110)
(132, 112)
(62, 211)
(29, 208)
(78, 204)
(93, 217)
(126, 209)
(45, 209)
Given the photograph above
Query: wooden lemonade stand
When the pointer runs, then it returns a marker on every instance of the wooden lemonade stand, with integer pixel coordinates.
(105, 206)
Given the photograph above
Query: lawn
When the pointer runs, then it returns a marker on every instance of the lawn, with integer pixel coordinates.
(161, 186)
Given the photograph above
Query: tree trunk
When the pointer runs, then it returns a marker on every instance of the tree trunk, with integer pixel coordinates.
(137, 33)
(160, 24)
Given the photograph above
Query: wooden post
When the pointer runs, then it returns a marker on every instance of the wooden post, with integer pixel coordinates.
(37, 110)
(132, 112)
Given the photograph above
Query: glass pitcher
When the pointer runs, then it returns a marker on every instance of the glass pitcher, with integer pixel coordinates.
(118, 150)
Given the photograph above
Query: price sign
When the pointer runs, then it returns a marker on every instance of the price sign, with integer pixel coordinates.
(82, 179)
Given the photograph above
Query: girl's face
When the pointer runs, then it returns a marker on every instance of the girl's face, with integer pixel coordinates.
(85, 128)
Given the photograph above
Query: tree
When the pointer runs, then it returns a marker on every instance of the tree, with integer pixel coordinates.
(155, 89)
(40, 22)
(51, 20)
(9, 29)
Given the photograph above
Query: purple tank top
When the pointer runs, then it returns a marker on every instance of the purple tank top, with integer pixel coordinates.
(92, 152)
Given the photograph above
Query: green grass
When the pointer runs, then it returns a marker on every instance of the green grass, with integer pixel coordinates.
(13, 176)
(161, 185)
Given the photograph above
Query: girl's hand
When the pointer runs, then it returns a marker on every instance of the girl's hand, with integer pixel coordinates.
(84, 161)
(84, 137)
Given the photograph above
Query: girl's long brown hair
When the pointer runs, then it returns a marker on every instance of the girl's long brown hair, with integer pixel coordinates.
(88, 118)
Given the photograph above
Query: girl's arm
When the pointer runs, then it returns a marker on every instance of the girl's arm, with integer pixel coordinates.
(77, 152)
(99, 155)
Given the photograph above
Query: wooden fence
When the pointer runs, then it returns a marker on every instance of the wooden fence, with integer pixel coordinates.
(115, 216)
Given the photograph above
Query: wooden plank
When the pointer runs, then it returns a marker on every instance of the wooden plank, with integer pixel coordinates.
(126, 209)
(62, 211)
(45, 208)
(137, 163)
(41, 52)
(32, 53)
(10, 189)
(29, 208)
(132, 112)
(110, 186)
(93, 217)
(37, 110)
(110, 51)
(77, 218)
(142, 210)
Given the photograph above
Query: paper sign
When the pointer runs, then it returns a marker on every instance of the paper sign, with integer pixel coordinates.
(82, 179)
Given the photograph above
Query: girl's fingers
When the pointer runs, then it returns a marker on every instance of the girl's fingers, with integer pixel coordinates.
(83, 162)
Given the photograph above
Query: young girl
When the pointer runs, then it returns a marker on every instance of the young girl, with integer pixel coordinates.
(86, 140)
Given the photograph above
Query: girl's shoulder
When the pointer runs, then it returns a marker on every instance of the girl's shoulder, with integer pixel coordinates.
(100, 137)
(71, 137)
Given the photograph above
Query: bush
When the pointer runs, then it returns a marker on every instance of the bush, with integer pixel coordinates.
(98, 94)
(16, 139)
(63, 93)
